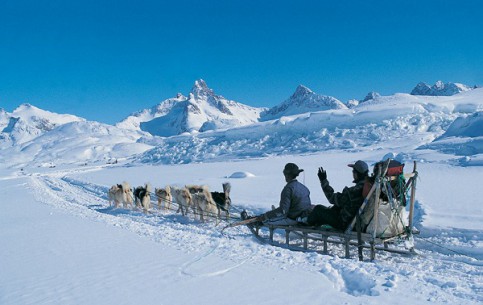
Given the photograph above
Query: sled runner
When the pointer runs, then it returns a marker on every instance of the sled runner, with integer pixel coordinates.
(379, 225)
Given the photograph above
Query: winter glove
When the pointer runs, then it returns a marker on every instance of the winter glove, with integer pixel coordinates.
(322, 174)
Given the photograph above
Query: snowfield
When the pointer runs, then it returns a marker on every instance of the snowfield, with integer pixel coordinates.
(62, 243)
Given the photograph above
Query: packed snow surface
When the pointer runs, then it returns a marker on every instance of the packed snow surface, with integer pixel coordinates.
(62, 243)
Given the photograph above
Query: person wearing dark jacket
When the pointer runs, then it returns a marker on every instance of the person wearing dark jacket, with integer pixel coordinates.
(344, 205)
(294, 200)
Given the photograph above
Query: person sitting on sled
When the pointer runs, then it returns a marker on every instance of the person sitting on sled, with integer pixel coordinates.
(294, 200)
(344, 205)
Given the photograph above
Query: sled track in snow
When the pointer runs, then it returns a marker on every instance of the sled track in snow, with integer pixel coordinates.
(90, 201)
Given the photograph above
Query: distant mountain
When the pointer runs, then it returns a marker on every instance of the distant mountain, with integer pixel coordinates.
(134, 120)
(82, 142)
(371, 96)
(302, 101)
(203, 110)
(78, 142)
(439, 89)
(27, 122)
(30, 136)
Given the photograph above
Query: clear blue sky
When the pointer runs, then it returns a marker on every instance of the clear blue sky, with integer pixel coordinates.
(103, 60)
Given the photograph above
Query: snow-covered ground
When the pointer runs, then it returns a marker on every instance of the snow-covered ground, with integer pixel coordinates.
(61, 242)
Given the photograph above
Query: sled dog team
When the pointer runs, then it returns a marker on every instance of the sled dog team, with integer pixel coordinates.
(197, 197)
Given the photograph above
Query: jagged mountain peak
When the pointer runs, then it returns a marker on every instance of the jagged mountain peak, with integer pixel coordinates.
(301, 101)
(301, 91)
(200, 89)
(200, 83)
(203, 110)
(421, 89)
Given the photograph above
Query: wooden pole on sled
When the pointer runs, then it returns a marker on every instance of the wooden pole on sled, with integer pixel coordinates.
(413, 194)
(376, 208)
(411, 204)
(241, 223)
(360, 243)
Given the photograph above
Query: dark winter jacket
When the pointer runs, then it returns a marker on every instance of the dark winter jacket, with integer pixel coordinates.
(294, 201)
(348, 202)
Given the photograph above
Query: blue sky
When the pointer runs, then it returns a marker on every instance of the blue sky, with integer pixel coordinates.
(103, 60)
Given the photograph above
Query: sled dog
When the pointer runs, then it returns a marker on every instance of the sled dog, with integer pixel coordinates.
(164, 196)
(204, 205)
(143, 197)
(120, 193)
(183, 198)
(223, 200)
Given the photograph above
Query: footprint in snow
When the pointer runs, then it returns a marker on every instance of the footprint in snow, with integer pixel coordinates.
(352, 280)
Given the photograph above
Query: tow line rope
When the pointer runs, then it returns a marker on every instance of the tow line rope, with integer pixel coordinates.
(446, 248)
(207, 214)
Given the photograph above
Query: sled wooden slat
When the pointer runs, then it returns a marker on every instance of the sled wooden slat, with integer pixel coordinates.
(310, 235)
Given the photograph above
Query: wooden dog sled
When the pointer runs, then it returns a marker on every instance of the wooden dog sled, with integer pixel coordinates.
(379, 224)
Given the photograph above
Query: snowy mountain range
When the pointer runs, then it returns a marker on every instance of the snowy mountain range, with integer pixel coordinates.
(174, 131)
(439, 89)
(202, 110)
